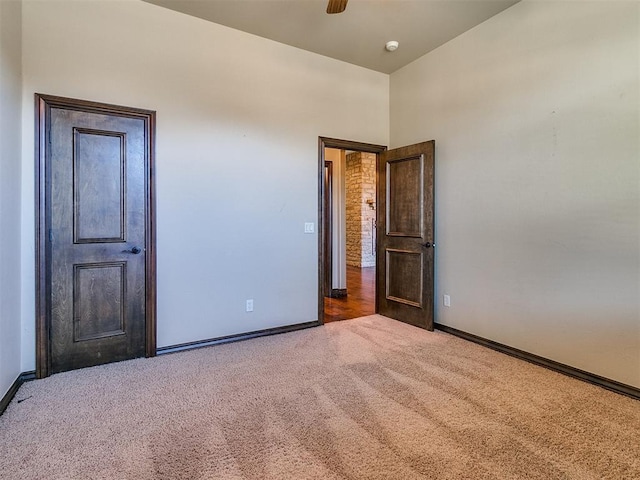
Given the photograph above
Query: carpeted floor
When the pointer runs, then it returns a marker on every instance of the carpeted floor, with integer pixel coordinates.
(369, 398)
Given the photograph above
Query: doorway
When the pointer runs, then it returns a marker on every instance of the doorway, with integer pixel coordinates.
(347, 236)
(404, 232)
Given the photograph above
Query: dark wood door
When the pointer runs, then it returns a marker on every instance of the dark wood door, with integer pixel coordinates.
(405, 234)
(97, 219)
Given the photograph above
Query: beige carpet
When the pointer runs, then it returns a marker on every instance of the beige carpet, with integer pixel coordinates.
(361, 399)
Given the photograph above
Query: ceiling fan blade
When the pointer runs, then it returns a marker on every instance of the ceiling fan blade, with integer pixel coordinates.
(336, 6)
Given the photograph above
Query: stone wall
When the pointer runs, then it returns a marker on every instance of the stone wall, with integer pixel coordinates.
(360, 183)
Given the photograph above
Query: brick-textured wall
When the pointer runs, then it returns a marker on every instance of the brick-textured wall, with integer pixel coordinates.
(360, 184)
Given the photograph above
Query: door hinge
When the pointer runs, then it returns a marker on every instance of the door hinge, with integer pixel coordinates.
(50, 236)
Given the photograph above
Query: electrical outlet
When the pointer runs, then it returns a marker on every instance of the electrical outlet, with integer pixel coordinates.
(250, 305)
(447, 300)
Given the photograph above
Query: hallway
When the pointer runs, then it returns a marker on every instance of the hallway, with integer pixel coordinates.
(360, 299)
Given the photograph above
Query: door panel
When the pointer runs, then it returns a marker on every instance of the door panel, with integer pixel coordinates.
(404, 193)
(402, 264)
(99, 170)
(99, 297)
(405, 234)
(99, 284)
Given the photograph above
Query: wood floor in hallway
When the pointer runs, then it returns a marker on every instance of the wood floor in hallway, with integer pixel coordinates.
(360, 299)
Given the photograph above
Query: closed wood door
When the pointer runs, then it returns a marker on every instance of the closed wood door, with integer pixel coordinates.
(98, 240)
(405, 234)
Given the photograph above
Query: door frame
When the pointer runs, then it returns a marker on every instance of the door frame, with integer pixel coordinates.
(43, 106)
(327, 226)
(326, 142)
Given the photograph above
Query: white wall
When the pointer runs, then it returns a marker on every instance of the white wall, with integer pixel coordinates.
(238, 124)
(535, 114)
(10, 137)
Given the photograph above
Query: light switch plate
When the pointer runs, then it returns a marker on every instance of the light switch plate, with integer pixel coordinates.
(309, 227)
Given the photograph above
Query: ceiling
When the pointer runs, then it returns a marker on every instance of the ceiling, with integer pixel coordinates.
(359, 34)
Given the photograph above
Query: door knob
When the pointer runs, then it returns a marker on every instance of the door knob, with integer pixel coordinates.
(134, 250)
(428, 244)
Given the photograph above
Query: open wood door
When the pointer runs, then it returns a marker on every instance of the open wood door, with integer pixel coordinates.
(405, 260)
